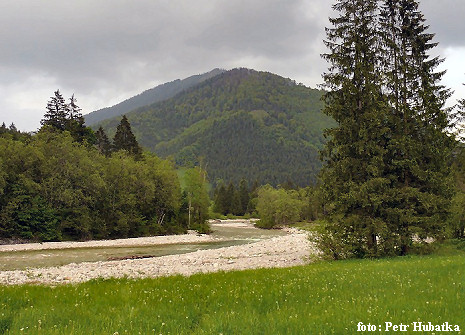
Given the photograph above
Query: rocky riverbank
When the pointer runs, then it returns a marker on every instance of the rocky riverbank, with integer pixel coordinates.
(282, 251)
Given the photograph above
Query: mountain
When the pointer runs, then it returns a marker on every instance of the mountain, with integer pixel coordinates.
(238, 124)
(151, 96)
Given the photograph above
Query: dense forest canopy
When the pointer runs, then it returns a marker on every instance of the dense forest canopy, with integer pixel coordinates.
(151, 96)
(67, 183)
(239, 124)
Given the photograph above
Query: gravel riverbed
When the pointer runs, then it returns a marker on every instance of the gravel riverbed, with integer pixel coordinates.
(292, 249)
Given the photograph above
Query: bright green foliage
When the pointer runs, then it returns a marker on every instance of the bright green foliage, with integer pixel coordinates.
(246, 124)
(321, 298)
(125, 140)
(53, 188)
(13, 133)
(197, 198)
(303, 204)
(385, 180)
(277, 207)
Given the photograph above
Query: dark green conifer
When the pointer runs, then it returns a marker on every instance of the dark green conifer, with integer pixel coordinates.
(236, 208)
(57, 114)
(125, 140)
(419, 143)
(221, 204)
(385, 181)
(460, 117)
(230, 190)
(353, 181)
(75, 124)
(244, 195)
(102, 142)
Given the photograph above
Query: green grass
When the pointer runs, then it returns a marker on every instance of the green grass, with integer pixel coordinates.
(321, 298)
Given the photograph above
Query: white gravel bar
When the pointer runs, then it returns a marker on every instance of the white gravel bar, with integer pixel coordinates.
(282, 251)
(125, 242)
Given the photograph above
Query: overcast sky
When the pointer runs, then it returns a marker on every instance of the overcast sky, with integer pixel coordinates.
(105, 51)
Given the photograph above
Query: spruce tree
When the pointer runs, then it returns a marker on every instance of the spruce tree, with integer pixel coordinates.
(75, 124)
(57, 113)
(125, 140)
(236, 208)
(3, 128)
(420, 146)
(230, 190)
(74, 109)
(385, 179)
(102, 142)
(13, 128)
(244, 195)
(221, 204)
(460, 117)
(353, 181)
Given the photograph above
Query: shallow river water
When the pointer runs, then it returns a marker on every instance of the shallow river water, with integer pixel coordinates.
(232, 235)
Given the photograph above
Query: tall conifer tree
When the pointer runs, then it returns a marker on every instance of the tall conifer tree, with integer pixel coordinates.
(244, 195)
(102, 142)
(125, 140)
(353, 181)
(57, 114)
(385, 178)
(75, 124)
(221, 200)
(420, 145)
(460, 117)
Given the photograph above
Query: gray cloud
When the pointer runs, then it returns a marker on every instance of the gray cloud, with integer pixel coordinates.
(108, 50)
(446, 20)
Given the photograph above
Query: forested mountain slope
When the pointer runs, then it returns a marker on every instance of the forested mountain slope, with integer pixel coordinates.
(240, 124)
(153, 95)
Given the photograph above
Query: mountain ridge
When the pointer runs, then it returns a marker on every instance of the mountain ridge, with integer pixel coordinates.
(241, 123)
(148, 97)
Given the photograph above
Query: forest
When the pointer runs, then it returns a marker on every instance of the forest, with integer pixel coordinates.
(59, 185)
(239, 124)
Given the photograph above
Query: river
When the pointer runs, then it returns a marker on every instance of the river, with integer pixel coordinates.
(227, 233)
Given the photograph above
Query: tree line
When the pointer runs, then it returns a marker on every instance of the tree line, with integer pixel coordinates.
(58, 184)
(275, 206)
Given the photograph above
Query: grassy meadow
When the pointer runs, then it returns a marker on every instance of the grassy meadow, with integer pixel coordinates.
(321, 298)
